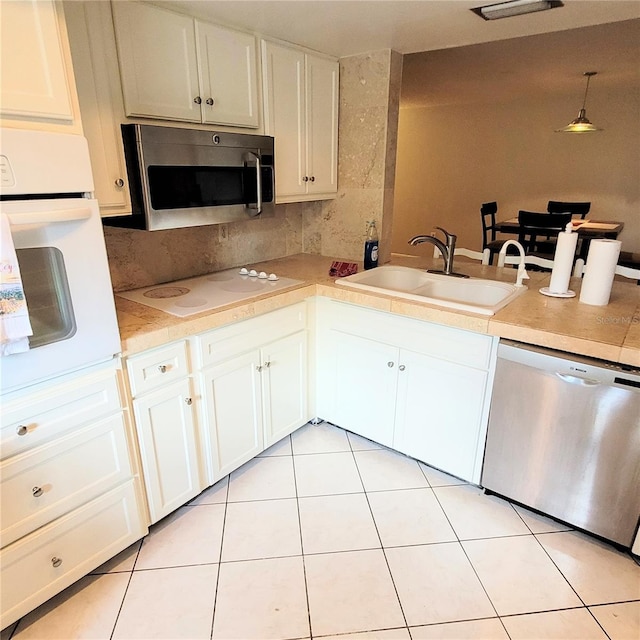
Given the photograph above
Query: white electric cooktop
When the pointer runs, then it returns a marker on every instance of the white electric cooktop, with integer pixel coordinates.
(204, 293)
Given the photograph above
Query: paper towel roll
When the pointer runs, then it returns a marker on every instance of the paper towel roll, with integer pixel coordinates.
(600, 270)
(563, 262)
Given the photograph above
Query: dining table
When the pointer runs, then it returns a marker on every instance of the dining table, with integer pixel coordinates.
(587, 230)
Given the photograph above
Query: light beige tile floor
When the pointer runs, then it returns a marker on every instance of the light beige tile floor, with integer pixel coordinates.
(327, 535)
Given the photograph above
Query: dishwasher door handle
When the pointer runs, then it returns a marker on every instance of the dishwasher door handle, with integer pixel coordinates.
(585, 382)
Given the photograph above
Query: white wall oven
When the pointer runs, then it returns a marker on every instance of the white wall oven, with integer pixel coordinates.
(57, 234)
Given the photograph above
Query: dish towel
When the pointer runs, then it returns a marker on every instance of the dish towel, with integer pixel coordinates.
(15, 327)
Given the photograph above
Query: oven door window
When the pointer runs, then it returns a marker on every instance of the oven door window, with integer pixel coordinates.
(193, 187)
(46, 289)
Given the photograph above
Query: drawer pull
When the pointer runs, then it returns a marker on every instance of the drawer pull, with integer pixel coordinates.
(401, 367)
(56, 562)
(189, 401)
(22, 430)
(267, 364)
(119, 182)
(390, 365)
(259, 367)
(162, 368)
(37, 492)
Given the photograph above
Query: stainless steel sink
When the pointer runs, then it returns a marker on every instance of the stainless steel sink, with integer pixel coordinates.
(471, 294)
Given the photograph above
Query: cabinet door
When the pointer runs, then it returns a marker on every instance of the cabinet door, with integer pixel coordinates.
(233, 412)
(439, 414)
(34, 77)
(166, 429)
(157, 55)
(93, 49)
(322, 124)
(365, 378)
(284, 377)
(284, 115)
(228, 79)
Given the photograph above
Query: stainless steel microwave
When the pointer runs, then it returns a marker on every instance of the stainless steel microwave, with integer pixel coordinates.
(192, 177)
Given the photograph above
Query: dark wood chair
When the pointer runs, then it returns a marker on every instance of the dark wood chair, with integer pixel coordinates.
(575, 208)
(535, 225)
(489, 230)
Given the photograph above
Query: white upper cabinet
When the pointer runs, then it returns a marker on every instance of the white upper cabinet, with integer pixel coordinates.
(95, 63)
(228, 77)
(301, 112)
(174, 67)
(36, 80)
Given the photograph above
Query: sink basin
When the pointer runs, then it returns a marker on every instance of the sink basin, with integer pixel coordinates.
(467, 294)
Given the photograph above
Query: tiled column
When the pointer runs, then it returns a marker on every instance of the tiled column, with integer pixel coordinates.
(368, 124)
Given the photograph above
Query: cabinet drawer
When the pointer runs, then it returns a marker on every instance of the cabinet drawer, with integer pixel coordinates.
(32, 419)
(40, 485)
(80, 541)
(221, 344)
(158, 367)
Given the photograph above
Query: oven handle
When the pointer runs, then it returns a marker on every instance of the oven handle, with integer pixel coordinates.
(258, 207)
(46, 217)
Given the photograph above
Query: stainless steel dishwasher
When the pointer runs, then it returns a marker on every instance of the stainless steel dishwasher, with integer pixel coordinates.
(564, 438)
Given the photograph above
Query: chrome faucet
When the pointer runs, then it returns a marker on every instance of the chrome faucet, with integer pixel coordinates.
(447, 250)
(522, 271)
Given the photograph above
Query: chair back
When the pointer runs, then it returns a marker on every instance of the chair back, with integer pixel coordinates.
(484, 256)
(488, 215)
(576, 208)
(534, 224)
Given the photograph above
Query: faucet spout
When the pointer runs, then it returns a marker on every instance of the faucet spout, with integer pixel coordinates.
(522, 270)
(447, 250)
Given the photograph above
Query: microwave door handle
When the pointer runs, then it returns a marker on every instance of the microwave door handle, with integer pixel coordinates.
(258, 182)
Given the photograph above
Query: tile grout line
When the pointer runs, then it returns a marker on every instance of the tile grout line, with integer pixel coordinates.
(304, 565)
(375, 524)
(467, 556)
(224, 522)
(569, 583)
(124, 595)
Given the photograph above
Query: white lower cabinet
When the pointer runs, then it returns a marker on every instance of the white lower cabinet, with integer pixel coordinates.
(417, 387)
(233, 409)
(164, 410)
(365, 398)
(254, 383)
(70, 492)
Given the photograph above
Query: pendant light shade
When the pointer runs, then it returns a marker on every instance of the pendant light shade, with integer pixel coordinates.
(582, 124)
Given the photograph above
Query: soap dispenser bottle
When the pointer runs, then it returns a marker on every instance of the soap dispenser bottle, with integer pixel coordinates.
(371, 246)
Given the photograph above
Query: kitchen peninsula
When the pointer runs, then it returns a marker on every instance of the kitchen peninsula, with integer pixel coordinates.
(610, 332)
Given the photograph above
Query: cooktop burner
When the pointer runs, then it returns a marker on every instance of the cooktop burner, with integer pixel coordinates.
(204, 293)
(166, 292)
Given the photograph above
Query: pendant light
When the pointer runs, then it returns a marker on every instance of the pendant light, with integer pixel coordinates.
(582, 124)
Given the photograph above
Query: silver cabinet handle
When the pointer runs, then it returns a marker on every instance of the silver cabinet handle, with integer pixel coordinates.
(22, 430)
(402, 367)
(390, 364)
(162, 368)
(37, 492)
(189, 401)
(119, 182)
(56, 562)
(267, 364)
(198, 100)
(259, 367)
(209, 101)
